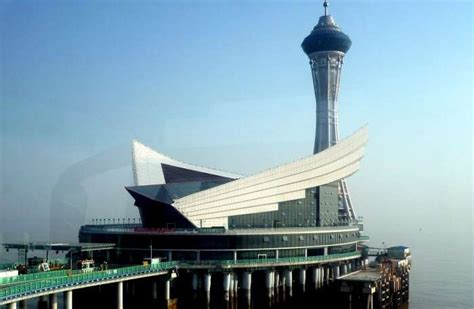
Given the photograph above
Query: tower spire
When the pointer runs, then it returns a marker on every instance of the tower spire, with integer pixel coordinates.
(325, 4)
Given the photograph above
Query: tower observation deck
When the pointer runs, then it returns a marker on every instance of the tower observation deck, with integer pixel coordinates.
(326, 46)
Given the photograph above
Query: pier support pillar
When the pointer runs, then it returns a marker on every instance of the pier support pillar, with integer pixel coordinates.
(235, 286)
(167, 289)
(120, 295)
(68, 299)
(53, 301)
(12, 305)
(42, 302)
(226, 285)
(344, 269)
(277, 281)
(195, 282)
(247, 283)
(207, 285)
(314, 277)
(302, 277)
(288, 275)
(155, 290)
(336, 272)
(269, 284)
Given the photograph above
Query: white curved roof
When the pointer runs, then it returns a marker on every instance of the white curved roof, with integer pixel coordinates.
(263, 191)
(148, 169)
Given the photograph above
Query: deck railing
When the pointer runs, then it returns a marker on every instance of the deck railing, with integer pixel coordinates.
(55, 282)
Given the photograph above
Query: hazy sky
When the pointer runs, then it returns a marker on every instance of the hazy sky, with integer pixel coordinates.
(226, 84)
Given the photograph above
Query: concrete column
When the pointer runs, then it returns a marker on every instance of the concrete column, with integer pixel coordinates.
(319, 274)
(207, 285)
(53, 301)
(344, 267)
(335, 272)
(269, 282)
(68, 299)
(42, 302)
(247, 283)
(288, 275)
(235, 256)
(167, 289)
(277, 280)
(231, 285)
(12, 305)
(195, 282)
(155, 290)
(302, 277)
(305, 252)
(170, 255)
(226, 285)
(325, 250)
(324, 276)
(276, 254)
(120, 295)
(236, 285)
(314, 277)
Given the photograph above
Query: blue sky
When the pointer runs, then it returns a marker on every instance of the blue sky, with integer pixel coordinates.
(226, 84)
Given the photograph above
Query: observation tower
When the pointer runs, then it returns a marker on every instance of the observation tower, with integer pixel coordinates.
(326, 47)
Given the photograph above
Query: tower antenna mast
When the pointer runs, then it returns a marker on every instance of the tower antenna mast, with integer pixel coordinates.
(325, 4)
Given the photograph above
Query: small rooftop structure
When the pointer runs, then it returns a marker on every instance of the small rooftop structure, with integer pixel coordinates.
(49, 246)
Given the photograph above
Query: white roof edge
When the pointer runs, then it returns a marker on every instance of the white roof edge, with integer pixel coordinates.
(146, 165)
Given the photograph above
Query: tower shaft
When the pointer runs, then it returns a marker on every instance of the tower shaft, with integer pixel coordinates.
(326, 69)
(325, 47)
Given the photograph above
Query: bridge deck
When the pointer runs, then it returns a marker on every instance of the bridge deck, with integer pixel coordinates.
(28, 286)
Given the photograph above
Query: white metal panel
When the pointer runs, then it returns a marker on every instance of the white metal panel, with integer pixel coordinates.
(147, 170)
(253, 194)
